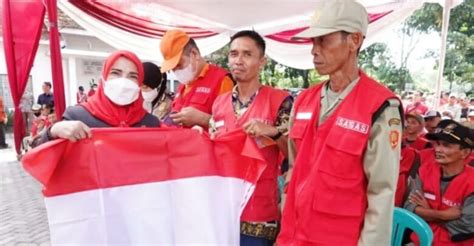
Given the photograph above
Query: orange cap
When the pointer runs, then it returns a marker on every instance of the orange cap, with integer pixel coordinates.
(171, 46)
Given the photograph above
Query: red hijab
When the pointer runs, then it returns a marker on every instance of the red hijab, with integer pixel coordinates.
(103, 109)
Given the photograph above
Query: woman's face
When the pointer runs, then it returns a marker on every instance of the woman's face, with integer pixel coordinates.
(125, 68)
(146, 88)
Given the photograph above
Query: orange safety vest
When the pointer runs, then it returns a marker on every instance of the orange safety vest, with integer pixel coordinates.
(263, 205)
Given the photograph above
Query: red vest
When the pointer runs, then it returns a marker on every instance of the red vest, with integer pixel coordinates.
(420, 143)
(458, 189)
(409, 156)
(427, 156)
(327, 198)
(470, 160)
(203, 92)
(303, 108)
(263, 205)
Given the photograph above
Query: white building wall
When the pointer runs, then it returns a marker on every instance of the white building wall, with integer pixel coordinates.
(82, 60)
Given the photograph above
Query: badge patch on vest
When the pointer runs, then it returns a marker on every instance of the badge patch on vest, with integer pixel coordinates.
(451, 203)
(429, 196)
(206, 90)
(219, 123)
(304, 115)
(352, 125)
(394, 137)
(394, 121)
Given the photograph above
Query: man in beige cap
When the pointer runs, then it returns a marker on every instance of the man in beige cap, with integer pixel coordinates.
(200, 82)
(346, 136)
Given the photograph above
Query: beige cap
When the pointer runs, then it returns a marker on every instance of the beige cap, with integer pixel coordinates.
(337, 15)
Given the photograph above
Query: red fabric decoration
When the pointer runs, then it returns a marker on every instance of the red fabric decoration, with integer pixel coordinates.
(20, 40)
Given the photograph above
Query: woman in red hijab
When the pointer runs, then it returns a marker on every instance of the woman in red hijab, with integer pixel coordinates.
(117, 102)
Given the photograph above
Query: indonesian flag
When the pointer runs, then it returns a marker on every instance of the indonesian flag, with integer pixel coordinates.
(146, 186)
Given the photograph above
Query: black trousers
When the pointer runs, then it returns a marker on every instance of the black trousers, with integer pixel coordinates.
(2, 135)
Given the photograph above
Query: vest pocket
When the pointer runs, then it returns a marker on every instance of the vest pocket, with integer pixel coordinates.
(337, 196)
(298, 129)
(343, 157)
(337, 211)
(200, 98)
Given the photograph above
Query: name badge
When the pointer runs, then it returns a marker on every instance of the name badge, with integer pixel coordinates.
(206, 90)
(304, 115)
(219, 123)
(429, 196)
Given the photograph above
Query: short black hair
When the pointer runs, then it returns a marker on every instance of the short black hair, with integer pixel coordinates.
(81, 88)
(47, 84)
(255, 36)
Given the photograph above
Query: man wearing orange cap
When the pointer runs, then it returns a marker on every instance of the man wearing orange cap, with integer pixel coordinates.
(200, 82)
(347, 133)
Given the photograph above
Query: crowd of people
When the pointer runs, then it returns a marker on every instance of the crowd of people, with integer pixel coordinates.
(354, 149)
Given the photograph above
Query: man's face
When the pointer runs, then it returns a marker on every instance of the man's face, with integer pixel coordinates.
(417, 97)
(447, 153)
(330, 52)
(452, 100)
(46, 88)
(245, 59)
(431, 123)
(413, 126)
(187, 59)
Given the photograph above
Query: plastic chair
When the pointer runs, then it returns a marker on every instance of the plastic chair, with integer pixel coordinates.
(403, 219)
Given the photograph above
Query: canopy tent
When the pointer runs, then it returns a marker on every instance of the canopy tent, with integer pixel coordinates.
(138, 26)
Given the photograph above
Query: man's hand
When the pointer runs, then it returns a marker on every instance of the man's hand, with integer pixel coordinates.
(72, 130)
(258, 129)
(190, 116)
(450, 214)
(417, 198)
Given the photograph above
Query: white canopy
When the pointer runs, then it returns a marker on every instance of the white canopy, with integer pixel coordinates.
(227, 17)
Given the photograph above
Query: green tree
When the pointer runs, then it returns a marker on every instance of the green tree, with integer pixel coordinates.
(274, 74)
(459, 61)
(376, 61)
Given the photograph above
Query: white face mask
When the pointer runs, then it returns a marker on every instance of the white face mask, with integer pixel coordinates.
(149, 96)
(121, 91)
(185, 75)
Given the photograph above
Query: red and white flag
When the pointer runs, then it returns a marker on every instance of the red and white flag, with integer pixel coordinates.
(146, 186)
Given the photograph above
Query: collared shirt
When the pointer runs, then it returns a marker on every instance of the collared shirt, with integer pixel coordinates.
(330, 99)
(226, 84)
(283, 112)
(44, 99)
(283, 116)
